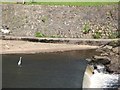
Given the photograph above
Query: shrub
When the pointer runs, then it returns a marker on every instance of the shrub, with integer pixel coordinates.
(114, 35)
(97, 35)
(86, 29)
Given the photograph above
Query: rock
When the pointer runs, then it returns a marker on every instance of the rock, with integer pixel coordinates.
(104, 49)
(116, 50)
(100, 50)
(104, 54)
(108, 47)
(88, 59)
(101, 60)
(114, 43)
(109, 70)
(112, 53)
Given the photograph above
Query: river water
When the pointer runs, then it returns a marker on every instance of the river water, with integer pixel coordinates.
(100, 80)
(45, 70)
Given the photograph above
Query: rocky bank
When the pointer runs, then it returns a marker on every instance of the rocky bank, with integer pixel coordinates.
(109, 56)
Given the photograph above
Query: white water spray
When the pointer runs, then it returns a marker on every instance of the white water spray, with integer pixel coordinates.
(99, 79)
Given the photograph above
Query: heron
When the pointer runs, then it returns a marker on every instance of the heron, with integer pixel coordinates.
(20, 62)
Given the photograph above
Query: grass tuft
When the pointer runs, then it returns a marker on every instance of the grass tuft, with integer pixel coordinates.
(39, 34)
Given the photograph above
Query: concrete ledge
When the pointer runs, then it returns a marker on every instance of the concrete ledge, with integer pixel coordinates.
(78, 41)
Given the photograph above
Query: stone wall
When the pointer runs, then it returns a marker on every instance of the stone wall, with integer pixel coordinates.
(61, 21)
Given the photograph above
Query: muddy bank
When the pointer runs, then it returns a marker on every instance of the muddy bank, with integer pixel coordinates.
(15, 46)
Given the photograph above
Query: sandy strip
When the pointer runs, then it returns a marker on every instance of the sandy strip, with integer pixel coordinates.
(14, 46)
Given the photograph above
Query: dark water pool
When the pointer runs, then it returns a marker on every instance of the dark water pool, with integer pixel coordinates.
(45, 70)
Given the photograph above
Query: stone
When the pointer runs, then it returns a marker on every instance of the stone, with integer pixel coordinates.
(100, 50)
(101, 60)
(108, 47)
(104, 54)
(112, 53)
(116, 50)
(88, 59)
(115, 43)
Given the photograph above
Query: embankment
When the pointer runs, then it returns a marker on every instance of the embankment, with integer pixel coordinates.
(61, 21)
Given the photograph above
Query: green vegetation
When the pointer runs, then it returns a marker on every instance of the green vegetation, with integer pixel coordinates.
(39, 34)
(97, 35)
(86, 29)
(113, 35)
(73, 3)
(66, 3)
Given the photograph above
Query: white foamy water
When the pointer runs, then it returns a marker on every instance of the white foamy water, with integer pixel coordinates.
(100, 79)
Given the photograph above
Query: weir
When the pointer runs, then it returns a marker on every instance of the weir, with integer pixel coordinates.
(100, 80)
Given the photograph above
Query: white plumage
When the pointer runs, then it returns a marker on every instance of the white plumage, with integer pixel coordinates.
(20, 61)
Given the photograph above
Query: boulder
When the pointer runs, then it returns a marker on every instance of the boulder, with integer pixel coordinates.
(100, 50)
(104, 54)
(104, 49)
(101, 60)
(108, 47)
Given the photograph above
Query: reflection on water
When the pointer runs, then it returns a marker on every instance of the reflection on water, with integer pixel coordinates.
(45, 70)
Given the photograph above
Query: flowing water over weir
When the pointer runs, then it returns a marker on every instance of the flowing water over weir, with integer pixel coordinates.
(100, 79)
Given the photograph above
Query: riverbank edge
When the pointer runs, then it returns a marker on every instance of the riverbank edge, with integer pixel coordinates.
(95, 44)
(78, 41)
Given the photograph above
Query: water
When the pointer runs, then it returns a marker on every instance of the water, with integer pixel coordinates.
(101, 79)
(45, 70)
(104, 81)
